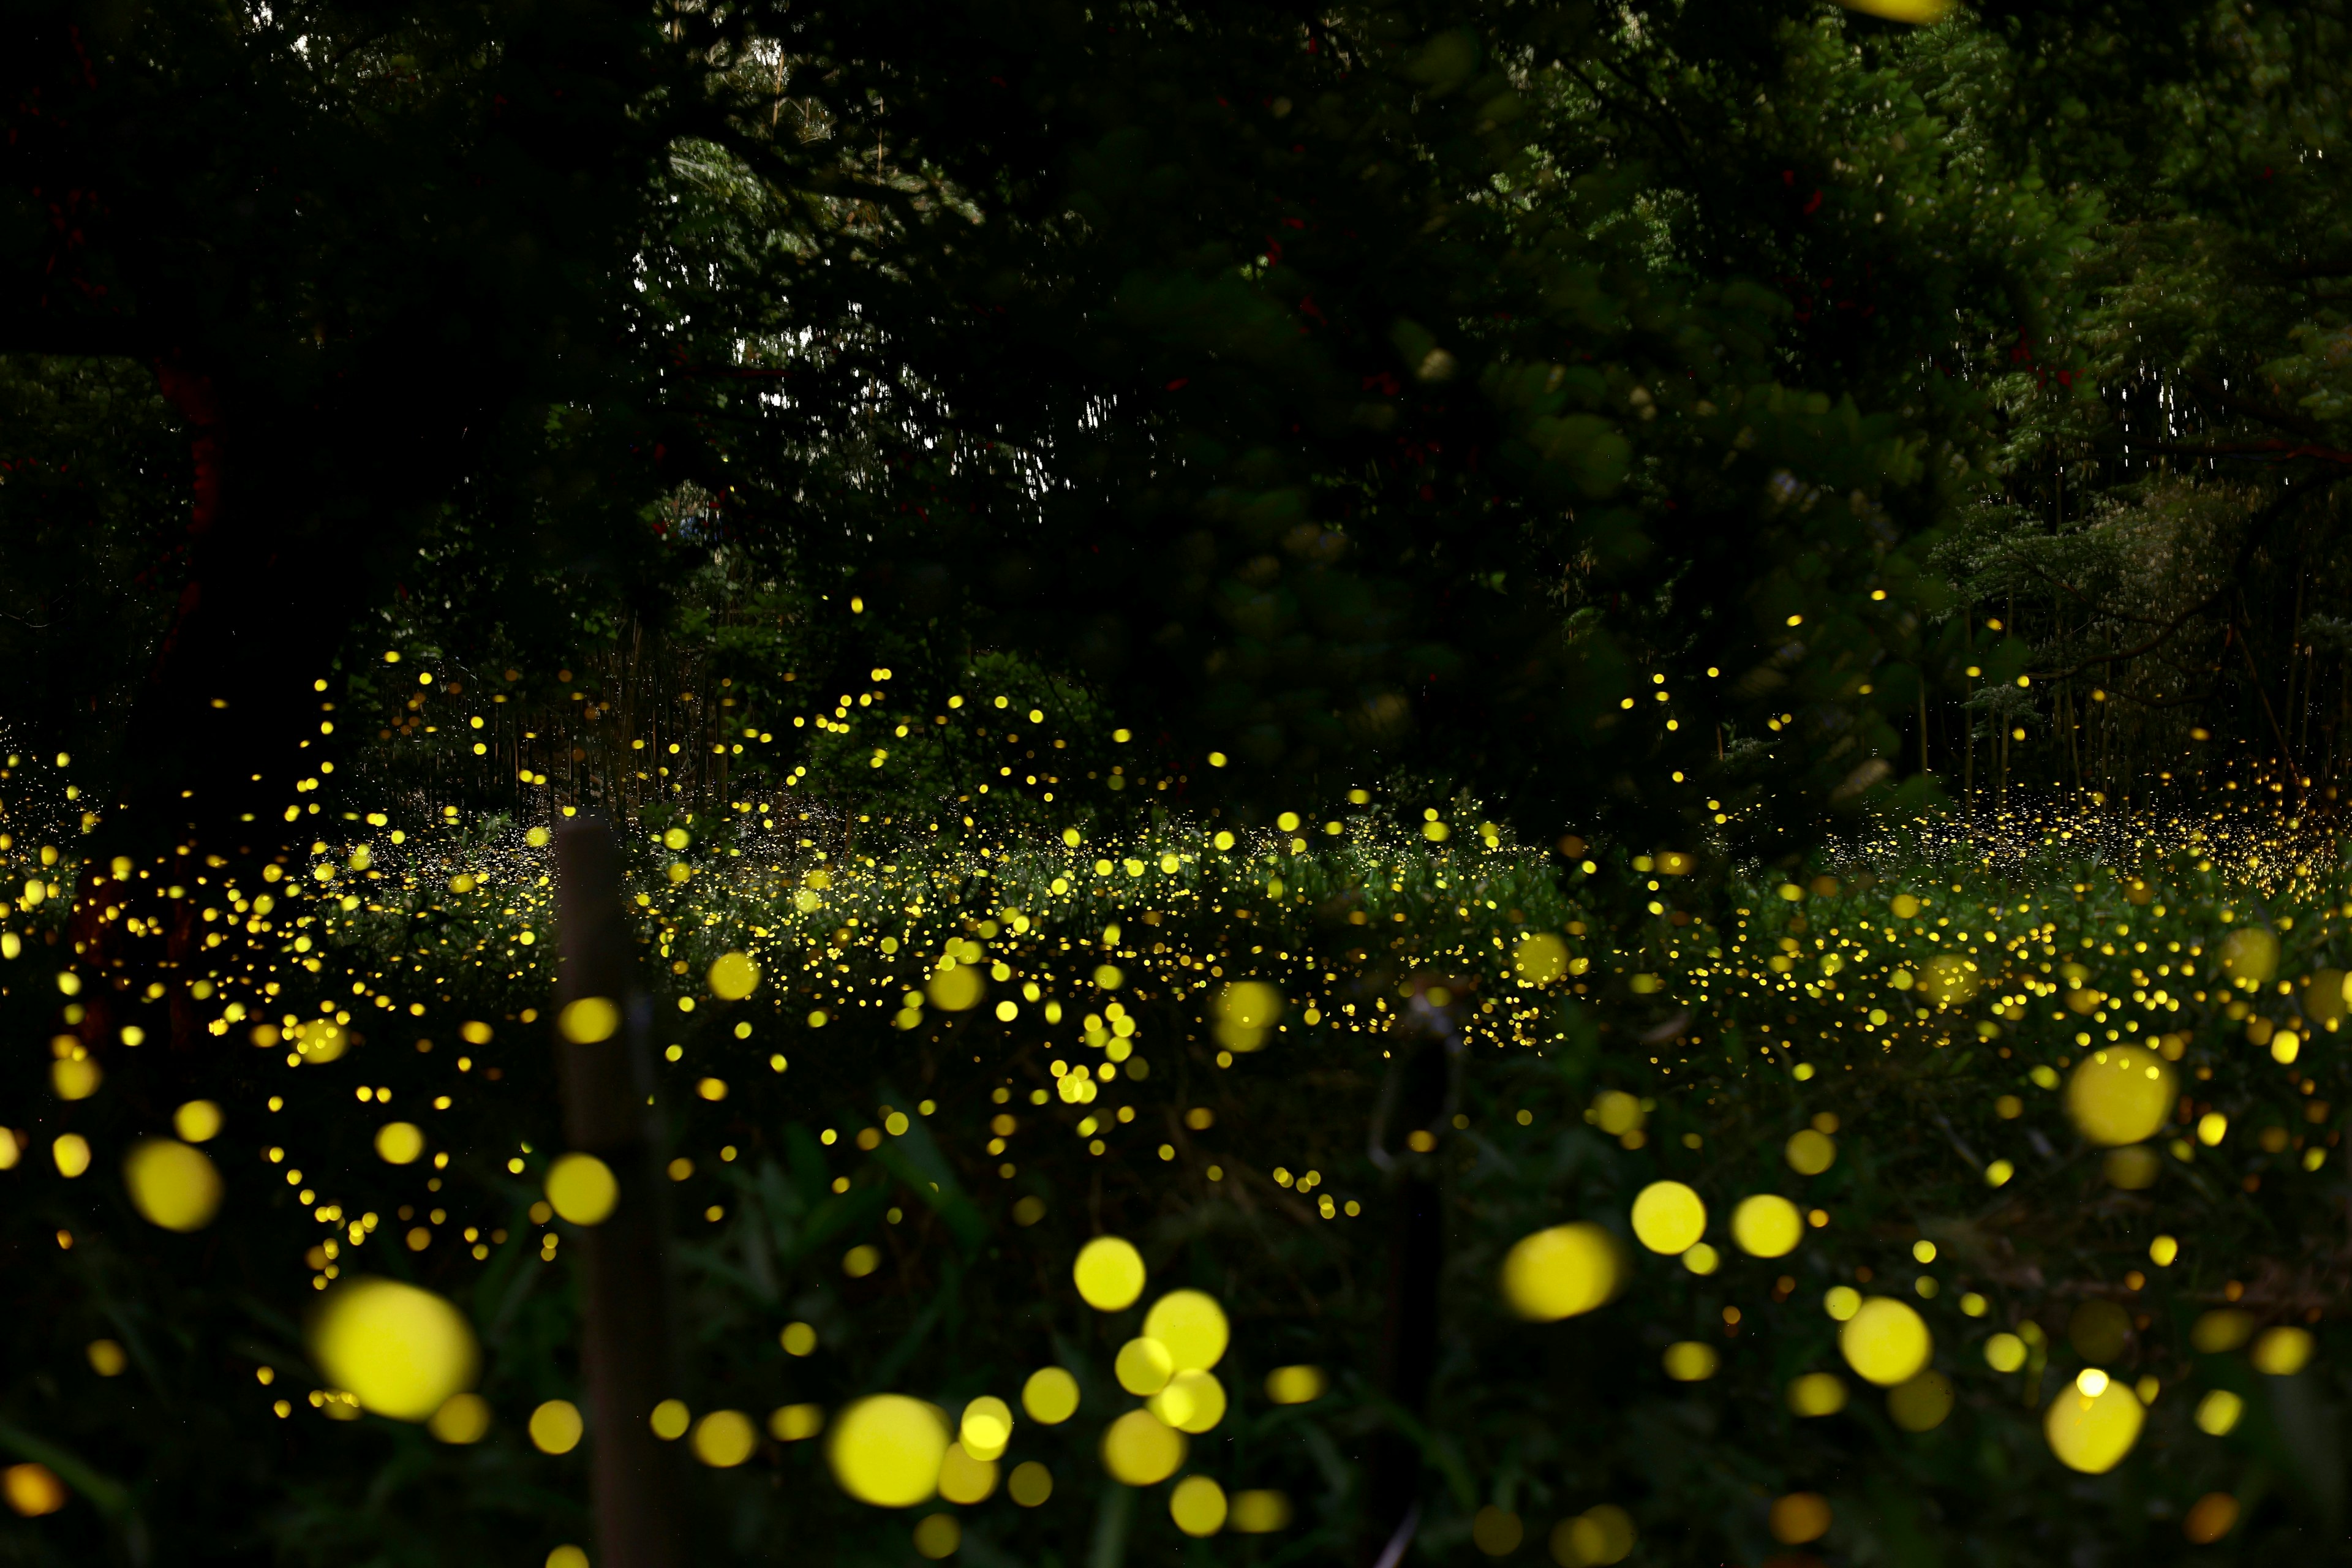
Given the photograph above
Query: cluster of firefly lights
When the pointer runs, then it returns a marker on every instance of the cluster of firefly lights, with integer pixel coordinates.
(409, 1355)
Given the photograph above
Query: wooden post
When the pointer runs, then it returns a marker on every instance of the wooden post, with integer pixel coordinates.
(1415, 1104)
(608, 1085)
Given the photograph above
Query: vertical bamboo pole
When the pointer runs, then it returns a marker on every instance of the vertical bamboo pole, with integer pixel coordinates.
(1923, 720)
(1413, 1105)
(607, 1086)
(1967, 720)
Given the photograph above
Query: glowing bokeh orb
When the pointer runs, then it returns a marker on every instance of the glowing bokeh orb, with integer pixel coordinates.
(1030, 1484)
(1139, 1449)
(1920, 1404)
(1886, 1341)
(399, 1143)
(796, 1423)
(965, 1476)
(1668, 1218)
(589, 1021)
(584, 1190)
(1540, 958)
(2282, 1352)
(2212, 1517)
(2218, 1411)
(2093, 1434)
(733, 977)
(724, 1439)
(1918, 13)
(2120, 1094)
(956, 990)
(1593, 1539)
(1050, 1397)
(886, 1449)
(2223, 1329)
(198, 1122)
(1560, 1272)
(1817, 1394)
(1198, 1506)
(986, 1427)
(1193, 1401)
(1245, 1010)
(1192, 1326)
(1616, 1112)
(1767, 1225)
(400, 1351)
(555, 1426)
(1143, 1366)
(2250, 955)
(463, 1418)
(1259, 1512)
(33, 1490)
(1810, 1153)
(172, 1185)
(1109, 1273)
(1947, 980)
(2133, 1168)
(1295, 1384)
(320, 1040)
(74, 1077)
(1799, 1518)
(1689, 1361)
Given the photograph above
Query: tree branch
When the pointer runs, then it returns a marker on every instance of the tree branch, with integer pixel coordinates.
(2183, 619)
(2214, 392)
(2263, 452)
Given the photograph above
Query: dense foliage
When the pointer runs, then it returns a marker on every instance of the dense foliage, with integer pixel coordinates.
(1922, 1010)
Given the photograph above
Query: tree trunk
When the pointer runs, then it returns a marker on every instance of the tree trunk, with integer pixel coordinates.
(607, 1089)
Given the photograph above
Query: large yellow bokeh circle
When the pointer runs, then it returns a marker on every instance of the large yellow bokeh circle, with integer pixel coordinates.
(1109, 1273)
(2250, 954)
(1050, 1395)
(1810, 1152)
(555, 1426)
(733, 977)
(2090, 1434)
(398, 1350)
(886, 1449)
(399, 1143)
(1192, 1402)
(2120, 1094)
(1560, 1272)
(986, 1428)
(964, 1477)
(1767, 1225)
(1886, 1341)
(1143, 1366)
(173, 1184)
(583, 1189)
(1192, 1326)
(1540, 958)
(1669, 1218)
(724, 1439)
(1198, 1506)
(956, 990)
(1140, 1450)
